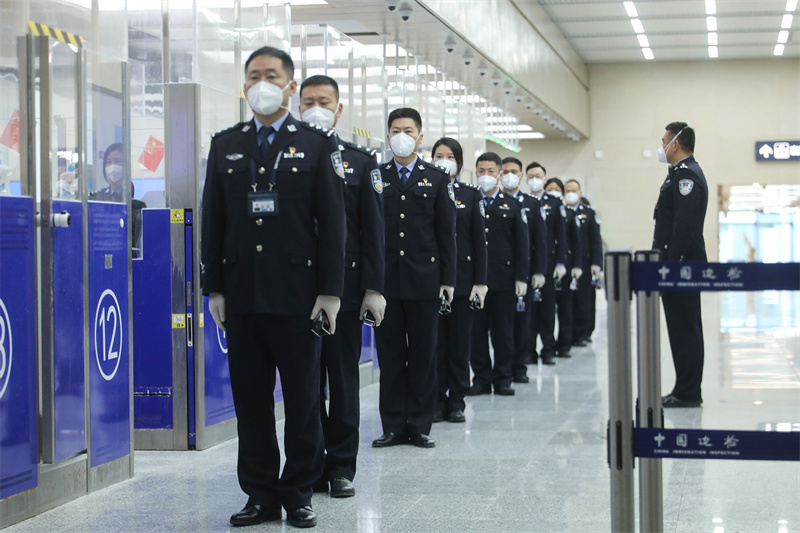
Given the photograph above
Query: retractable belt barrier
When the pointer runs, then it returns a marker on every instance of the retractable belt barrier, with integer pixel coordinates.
(647, 439)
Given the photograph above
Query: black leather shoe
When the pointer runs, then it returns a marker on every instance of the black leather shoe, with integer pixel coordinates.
(438, 415)
(548, 360)
(422, 441)
(456, 416)
(522, 379)
(320, 486)
(478, 390)
(580, 343)
(255, 514)
(341, 487)
(301, 516)
(564, 355)
(504, 390)
(389, 439)
(671, 401)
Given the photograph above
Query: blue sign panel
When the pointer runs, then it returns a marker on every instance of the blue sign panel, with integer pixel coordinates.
(777, 150)
(68, 360)
(18, 413)
(152, 324)
(695, 276)
(109, 361)
(367, 344)
(219, 397)
(716, 444)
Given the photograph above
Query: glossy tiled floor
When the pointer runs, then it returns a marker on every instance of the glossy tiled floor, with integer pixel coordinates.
(534, 462)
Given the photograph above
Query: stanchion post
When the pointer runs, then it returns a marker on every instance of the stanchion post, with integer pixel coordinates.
(651, 503)
(620, 397)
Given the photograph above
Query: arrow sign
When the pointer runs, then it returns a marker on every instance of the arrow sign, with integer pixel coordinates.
(765, 151)
(777, 151)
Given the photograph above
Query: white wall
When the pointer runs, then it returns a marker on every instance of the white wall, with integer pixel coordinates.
(731, 105)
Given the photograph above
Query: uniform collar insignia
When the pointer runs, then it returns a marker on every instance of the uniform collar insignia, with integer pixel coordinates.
(341, 147)
(246, 128)
(421, 166)
(292, 128)
(388, 166)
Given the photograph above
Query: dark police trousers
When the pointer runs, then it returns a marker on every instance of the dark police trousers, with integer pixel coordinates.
(565, 300)
(497, 317)
(408, 391)
(685, 329)
(543, 317)
(341, 354)
(584, 300)
(455, 344)
(257, 344)
(522, 336)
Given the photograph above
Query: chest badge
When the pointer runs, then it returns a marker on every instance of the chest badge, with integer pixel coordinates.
(425, 183)
(504, 207)
(685, 187)
(293, 154)
(234, 157)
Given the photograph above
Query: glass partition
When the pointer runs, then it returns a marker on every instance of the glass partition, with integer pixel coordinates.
(10, 109)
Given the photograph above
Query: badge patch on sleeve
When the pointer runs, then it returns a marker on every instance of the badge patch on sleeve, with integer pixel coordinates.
(563, 211)
(338, 166)
(482, 208)
(523, 213)
(543, 211)
(450, 192)
(377, 182)
(685, 187)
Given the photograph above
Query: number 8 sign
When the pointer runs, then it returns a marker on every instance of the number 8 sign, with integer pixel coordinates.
(108, 334)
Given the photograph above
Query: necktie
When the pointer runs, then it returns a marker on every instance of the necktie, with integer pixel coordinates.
(488, 201)
(263, 139)
(403, 176)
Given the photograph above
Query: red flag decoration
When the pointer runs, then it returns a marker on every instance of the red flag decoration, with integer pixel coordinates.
(10, 136)
(153, 154)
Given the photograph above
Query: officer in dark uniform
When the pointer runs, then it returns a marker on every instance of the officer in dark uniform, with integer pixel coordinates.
(273, 225)
(565, 289)
(363, 285)
(537, 234)
(585, 296)
(455, 329)
(507, 243)
(679, 216)
(543, 321)
(420, 214)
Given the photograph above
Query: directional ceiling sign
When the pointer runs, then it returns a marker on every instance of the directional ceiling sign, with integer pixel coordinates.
(777, 150)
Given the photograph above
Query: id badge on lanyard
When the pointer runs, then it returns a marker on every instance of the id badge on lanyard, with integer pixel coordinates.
(264, 203)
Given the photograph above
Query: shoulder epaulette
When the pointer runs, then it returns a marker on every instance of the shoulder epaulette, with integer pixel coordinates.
(317, 129)
(359, 148)
(434, 167)
(220, 133)
(470, 186)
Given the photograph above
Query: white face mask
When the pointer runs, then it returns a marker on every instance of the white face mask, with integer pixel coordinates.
(572, 198)
(510, 181)
(319, 116)
(487, 182)
(662, 151)
(266, 98)
(114, 173)
(402, 144)
(536, 184)
(448, 166)
(557, 194)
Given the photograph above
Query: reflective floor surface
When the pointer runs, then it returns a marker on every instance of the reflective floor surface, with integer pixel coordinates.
(534, 462)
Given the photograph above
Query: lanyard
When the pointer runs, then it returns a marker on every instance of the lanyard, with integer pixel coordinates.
(273, 177)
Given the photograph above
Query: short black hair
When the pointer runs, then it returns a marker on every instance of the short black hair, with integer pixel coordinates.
(455, 146)
(269, 51)
(686, 139)
(573, 181)
(536, 165)
(319, 79)
(557, 182)
(513, 160)
(585, 201)
(406, 112)
(490, 156)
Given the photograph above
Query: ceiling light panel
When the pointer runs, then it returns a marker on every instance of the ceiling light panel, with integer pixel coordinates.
(637, 25)
(630, 9)
(711, 7)
(713, 52)
(712, 39)
(791, 5)
(711, 23)
(778, 50)
(783, 36)
(786, 23)
(648, 54)
(643, 40)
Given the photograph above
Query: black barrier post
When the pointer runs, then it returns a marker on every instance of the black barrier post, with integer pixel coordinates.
(620, 398)
(649, 415)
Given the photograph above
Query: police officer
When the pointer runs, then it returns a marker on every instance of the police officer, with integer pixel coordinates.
(590, 263)
(273, 225)
(420, 215)
(679, 216)
(455, 329)
(507, 243)
(544, 315)
(566, 289)
(537, 234)
(363, 285)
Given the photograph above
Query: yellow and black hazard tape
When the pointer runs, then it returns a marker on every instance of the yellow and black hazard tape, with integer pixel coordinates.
(361, 132)
(65, 37)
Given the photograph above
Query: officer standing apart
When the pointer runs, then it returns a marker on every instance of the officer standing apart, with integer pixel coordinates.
(420, 214)
(273, 258)
(455, 329)
(537, 235)
(679, 216)
(363, 285)
(590, 262)
(507, 243)
(543, 318)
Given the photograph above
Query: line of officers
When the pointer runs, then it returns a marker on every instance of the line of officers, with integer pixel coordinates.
(304, 235)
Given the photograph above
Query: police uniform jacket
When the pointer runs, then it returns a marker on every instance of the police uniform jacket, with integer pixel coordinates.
(556, 230)
(537, 233)
(420, 232)
(573, 233)
(680, 213)
(470, 238)
(274, 264)
(364, 254)
(590, 236)
(507, 242)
